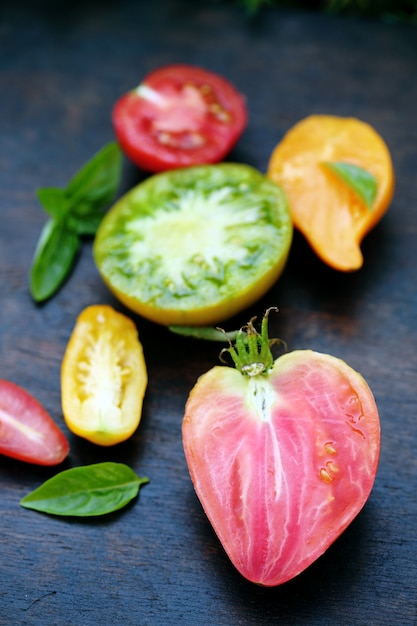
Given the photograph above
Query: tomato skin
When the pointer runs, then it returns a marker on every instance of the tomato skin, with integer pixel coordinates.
(281, 464)
(103, 377)
(180, 115)
(27, 431)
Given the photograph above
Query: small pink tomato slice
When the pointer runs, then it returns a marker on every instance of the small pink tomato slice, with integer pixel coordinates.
(27, 432)
(281, 462)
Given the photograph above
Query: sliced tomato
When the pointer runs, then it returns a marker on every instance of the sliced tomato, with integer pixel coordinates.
(27, 432)
(103, 377)
(282, 454)
(311, 162)
(196, 245)
(179, 115)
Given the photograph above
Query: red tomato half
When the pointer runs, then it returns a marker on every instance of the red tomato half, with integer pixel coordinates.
(281, 459)
(180, 115)
(27, 432)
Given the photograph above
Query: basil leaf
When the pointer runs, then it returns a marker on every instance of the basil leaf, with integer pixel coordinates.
(95, 184)
(86, 225)
(204, 332)
(53, 200)
(54, 257)
(362, 182)
(86, 491)
(75, 211)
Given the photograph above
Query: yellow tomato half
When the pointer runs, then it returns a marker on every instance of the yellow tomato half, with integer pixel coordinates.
(103, 377)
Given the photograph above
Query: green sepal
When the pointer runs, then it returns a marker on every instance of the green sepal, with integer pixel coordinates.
(251, 352)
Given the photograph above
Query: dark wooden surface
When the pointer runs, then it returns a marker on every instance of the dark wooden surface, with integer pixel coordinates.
(158, 562)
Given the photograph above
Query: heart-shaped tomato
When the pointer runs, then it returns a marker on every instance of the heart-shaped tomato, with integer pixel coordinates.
(282, 454)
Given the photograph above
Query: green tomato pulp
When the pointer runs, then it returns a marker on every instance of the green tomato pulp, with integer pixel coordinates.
(195, 239)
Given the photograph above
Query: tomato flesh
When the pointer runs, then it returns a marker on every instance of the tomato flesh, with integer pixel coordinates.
(196, 245)
(103, 377)
(281, 463)
(180, 115)
(27, 431)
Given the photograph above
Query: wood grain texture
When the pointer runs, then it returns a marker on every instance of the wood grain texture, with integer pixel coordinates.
(157, 562)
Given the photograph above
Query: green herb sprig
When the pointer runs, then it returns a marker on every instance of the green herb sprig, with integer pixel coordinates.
(86, 491)
(360, 181)
(75, 211)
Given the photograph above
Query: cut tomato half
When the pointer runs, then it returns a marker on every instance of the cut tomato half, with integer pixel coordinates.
(179, 115)
(103, 377)
(311, 163)
(196, 245)
(27, 432)
(282, 454)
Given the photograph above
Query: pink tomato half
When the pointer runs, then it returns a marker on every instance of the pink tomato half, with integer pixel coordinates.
(27, 432)
(281, 461)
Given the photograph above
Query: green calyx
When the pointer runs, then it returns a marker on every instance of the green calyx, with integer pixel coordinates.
(251, 352)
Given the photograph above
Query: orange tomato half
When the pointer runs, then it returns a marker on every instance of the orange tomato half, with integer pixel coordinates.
(332, 217)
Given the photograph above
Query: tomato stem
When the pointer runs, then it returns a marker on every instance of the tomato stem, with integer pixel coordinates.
(251, 353)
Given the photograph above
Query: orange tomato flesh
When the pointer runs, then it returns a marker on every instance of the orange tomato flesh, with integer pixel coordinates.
(325, 209)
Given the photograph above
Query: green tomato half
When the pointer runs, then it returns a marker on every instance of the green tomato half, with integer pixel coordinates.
(194, 246)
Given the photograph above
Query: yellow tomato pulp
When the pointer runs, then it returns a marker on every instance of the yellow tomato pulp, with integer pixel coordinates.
(103, 377)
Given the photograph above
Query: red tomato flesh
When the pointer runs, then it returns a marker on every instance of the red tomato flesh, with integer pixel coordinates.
(180, 115)
(282, 463)
(27, 432)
